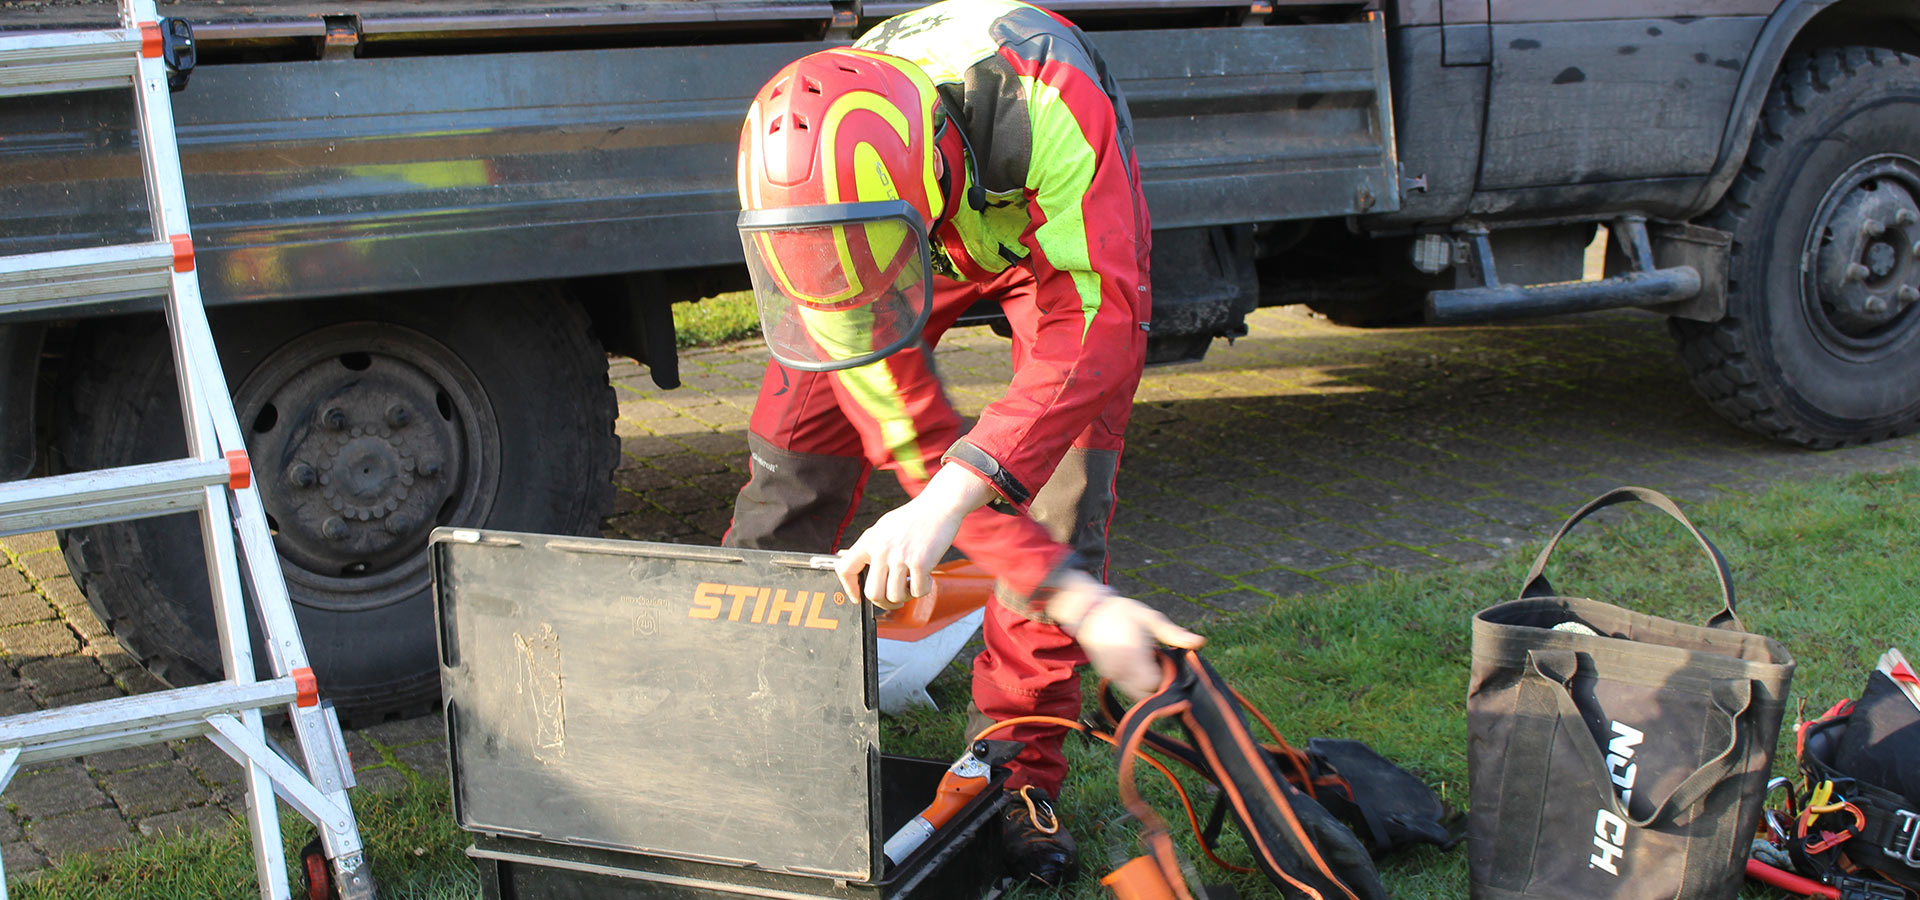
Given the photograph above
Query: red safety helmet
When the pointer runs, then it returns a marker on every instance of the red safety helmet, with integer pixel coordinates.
(839, 188)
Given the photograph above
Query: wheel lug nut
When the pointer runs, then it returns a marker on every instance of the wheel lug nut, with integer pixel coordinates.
(301, 475)
(335, 418)
(1907, 294)
(398, 416)
(429, 468)
(1873, 228)
(1858, 272)
(1903, 217)
(334, 528)
(1876, 304)
(398, 525)
(1916, 249)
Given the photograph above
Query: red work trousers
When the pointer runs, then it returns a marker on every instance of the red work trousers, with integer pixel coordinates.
(813, 448)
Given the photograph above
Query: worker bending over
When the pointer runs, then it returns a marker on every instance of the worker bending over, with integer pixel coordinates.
(974, 150)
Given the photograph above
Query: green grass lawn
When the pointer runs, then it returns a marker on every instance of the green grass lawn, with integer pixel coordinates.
(1827, 567)
(716, 320)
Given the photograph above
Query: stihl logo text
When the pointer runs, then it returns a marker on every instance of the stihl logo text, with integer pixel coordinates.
(1609, 830)
(763, 606)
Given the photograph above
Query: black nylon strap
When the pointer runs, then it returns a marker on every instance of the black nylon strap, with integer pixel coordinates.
(1893, 828)
(989, 468)
(1210, 836)
(1112, 711)
(1274, 827)
(1536, 584)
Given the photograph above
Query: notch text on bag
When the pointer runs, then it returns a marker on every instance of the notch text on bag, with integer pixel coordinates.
(1609, 830)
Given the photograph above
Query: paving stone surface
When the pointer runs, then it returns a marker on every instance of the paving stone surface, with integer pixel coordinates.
(1302, 457)
(49, 793)
(82, 832)
(185, 821)
(148, 792)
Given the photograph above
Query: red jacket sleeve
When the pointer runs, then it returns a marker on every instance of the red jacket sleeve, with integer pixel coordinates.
(1087, 242)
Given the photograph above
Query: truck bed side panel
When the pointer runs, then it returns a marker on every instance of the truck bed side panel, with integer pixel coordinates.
(327, 178)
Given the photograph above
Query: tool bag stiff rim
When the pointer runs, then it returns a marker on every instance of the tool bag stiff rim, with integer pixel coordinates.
(1526, 678)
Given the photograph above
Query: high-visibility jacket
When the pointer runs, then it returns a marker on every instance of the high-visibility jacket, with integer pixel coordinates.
(1050, 152)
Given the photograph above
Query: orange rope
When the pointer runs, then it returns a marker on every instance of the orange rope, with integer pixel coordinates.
(1185, 802)
(1295, 757)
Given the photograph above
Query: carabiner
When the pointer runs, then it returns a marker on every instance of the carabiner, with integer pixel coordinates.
(1835, 839)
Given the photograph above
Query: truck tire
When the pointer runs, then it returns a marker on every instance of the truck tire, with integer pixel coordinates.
(368, 425)
(1825, 354)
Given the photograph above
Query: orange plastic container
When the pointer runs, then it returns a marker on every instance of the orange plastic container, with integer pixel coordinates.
(959, 587)
(1139, 879)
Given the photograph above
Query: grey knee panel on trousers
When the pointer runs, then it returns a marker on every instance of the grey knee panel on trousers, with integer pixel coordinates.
(1076, 505)
(794, 501)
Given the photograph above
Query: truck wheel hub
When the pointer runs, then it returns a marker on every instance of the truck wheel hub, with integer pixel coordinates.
(377, 435)
(369, 498)
(367, 476)
(1867, 261)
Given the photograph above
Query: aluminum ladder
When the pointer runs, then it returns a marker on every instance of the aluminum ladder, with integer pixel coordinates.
(214, 481)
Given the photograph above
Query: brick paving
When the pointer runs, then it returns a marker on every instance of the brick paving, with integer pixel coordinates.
(1301, 457)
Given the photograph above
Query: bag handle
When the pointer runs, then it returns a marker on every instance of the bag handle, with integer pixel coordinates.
(1731, 697)
(1536, 584)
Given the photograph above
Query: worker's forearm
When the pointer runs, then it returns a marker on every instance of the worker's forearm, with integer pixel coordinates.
(953, 492)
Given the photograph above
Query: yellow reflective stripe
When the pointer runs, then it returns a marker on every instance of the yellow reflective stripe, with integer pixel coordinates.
(841, 333)
(972, 227)
(845, 334)
(928, 175)
(932, 46)
(1060, 185)
(873, 387)
(830, 142)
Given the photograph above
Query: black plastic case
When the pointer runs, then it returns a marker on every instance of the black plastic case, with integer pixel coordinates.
(629, 719)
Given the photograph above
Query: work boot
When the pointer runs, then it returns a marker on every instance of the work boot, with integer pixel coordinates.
(1037, 847)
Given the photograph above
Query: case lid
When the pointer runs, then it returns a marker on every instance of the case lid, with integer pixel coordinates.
(705, 703)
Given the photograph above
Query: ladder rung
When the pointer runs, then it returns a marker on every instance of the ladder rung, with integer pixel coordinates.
(118, 740)
(224, 711)
(113, 719)
(58, 62)
(61, 278)
(108, 495)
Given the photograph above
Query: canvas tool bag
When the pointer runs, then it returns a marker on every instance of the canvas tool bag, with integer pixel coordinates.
(1620, 755)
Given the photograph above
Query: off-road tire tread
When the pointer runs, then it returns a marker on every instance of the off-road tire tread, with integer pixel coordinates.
(119, 348)
(1718, 355)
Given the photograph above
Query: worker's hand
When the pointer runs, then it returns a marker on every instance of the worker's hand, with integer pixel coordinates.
(1118, 633)
(901, 549)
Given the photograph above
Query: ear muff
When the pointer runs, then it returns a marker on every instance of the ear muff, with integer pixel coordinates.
(976, 193)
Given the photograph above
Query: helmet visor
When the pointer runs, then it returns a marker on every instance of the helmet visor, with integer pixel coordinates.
(838, 285)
